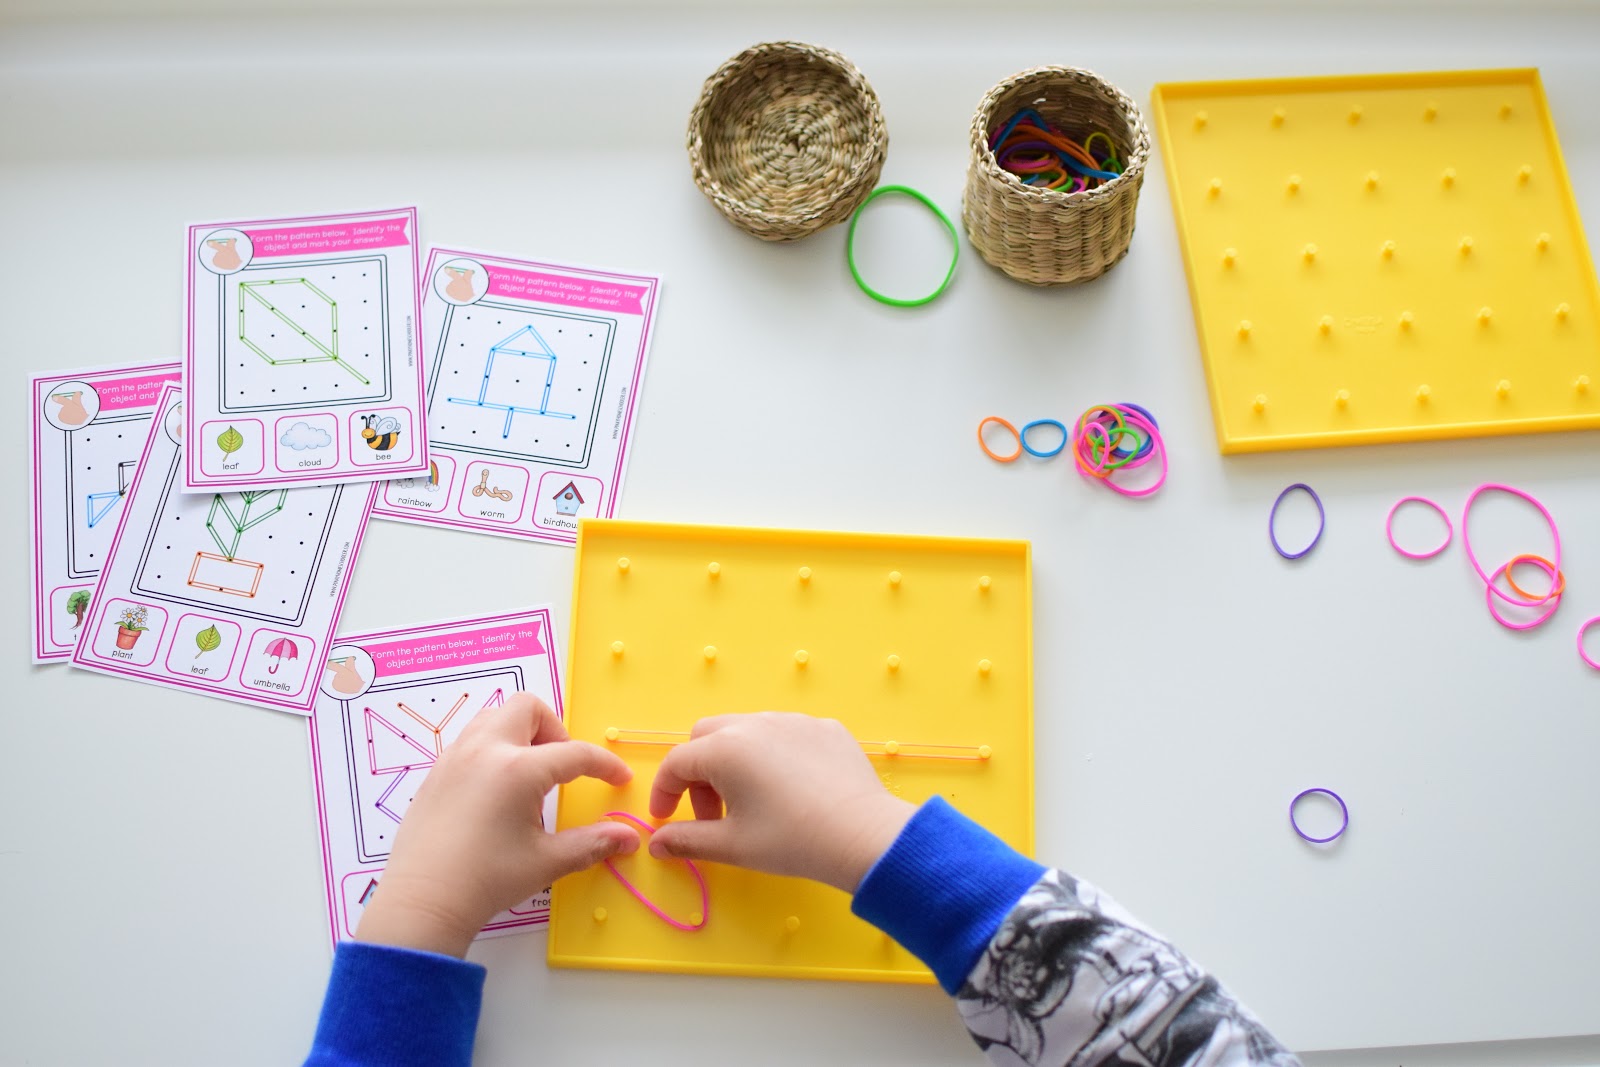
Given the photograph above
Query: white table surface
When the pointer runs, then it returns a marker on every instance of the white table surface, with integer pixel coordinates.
(160, 893)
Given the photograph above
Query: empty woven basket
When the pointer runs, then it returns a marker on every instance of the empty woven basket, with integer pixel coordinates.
(1043, 236)
(786, 139)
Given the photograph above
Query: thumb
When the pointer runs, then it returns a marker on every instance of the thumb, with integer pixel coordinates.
(582, 847)
(715, 840)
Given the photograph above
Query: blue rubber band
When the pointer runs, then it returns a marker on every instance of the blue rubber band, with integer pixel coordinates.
(1023, 436)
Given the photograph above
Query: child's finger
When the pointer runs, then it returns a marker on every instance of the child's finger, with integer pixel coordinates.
(712, 723)
(560, 762)
(523, 719)
(582, 847)
(714, 840)
(686, 765)
(707, 802)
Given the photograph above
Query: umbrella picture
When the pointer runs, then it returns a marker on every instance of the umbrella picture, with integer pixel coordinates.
(280, 650)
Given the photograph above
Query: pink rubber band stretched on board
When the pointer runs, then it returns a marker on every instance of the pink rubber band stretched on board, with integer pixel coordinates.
(1583, 655)
(1555, 534)
(1388, 528)
(705, 894)
(1553, 603)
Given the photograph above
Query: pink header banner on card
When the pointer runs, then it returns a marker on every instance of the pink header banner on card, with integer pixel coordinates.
(464, 646)
(334, 237)
(567, 289)
(137, 392)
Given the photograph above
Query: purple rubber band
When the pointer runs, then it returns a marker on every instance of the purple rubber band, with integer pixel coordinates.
(1583, 655)
(1272, 524)
(1388, 528)
(1344, 811)
(1555, 534)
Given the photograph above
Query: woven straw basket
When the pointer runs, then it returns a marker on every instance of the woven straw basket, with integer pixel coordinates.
(786, 139)
(1042, 236)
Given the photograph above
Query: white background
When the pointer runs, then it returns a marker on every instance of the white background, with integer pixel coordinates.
(160, 891)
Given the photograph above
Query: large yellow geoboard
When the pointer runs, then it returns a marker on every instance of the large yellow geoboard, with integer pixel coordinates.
(1382, 258)
(914, 641)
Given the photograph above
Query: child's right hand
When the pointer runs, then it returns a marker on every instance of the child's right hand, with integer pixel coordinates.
(801, 798)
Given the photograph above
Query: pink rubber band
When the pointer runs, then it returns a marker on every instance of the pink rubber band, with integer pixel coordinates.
(1554, 602)
(1581, 653)
(705, 894)
(1160, 447)
(1388, 528)
(1466, 543)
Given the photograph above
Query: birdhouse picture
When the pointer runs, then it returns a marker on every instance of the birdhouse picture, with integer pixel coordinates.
(568, 499)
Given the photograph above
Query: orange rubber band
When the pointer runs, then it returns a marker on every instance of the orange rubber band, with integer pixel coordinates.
(1561, 579)
(985, 445)
(1077, 453)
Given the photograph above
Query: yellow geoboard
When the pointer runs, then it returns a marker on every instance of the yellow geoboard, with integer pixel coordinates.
(922, 646)
(1382, 258)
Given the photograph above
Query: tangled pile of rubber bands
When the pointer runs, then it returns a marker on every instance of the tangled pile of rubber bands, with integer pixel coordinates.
(1044, 156)
(1108, 439)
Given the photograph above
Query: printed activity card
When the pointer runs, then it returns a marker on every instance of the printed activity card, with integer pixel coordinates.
(533, 381)
(89, 427)
(230, 594)
(388, 705)
(302, 352)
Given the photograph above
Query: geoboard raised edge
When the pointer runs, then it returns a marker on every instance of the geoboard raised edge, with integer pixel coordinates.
(918, 644)
(506, 646)
(135, 389)
(1362, 383)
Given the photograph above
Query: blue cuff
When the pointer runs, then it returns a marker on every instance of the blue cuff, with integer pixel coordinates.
(943, 888)
(397, 1007)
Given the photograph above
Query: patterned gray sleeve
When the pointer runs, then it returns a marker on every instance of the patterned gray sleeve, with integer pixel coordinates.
(1071, 980)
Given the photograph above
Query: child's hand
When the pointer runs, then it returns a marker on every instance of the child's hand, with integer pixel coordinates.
(801, 796)
(473, 844)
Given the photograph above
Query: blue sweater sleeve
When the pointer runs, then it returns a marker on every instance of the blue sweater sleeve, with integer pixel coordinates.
(943, 888)
(395, 1007)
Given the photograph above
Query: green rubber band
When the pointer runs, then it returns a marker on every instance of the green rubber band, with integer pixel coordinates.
(850, 247)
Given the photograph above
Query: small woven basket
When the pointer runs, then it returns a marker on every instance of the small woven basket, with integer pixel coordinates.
(786, 139)
(1042, 236)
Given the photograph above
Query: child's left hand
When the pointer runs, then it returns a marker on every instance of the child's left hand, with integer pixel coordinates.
(473, 844)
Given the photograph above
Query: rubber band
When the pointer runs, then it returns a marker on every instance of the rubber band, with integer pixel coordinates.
(1583, 655)
(1160, 450)
(1552, 604)
(1022, 438)
(1272, 524)
(850, 247)
(705, 894)
(1098, 471)
(997, 420)
(1466, 539)
(1344, 812)
(1528, 557)
(1449, 530)
(1041, 156)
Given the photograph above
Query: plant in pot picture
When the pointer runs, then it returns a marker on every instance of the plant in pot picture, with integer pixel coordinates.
(131, 622)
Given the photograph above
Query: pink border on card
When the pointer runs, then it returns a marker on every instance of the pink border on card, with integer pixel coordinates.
(242, 696)
(536, 534)
(303, 417)
(232, 424)
(41, 620)
(318, 477)
(237, 644)
(414, 632)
